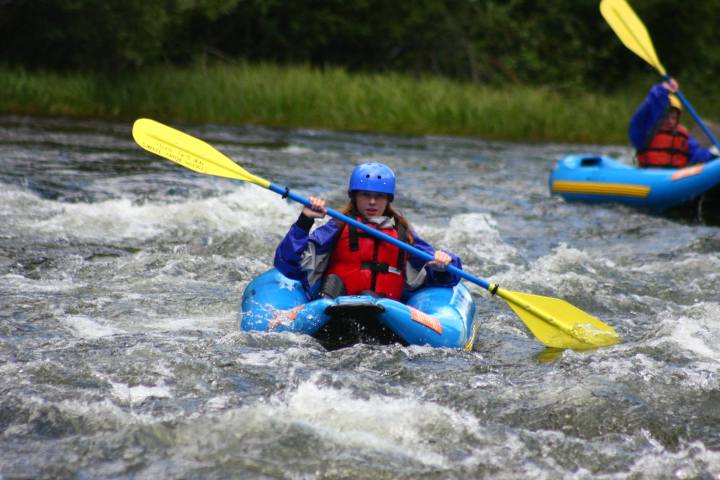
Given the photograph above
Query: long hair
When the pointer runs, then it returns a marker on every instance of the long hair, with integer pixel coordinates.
(351, 211)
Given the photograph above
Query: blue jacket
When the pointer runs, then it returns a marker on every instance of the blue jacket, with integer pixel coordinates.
(305, 256)
(647, 118)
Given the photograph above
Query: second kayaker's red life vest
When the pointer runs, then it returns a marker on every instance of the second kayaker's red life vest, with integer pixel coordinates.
(366, 263)
(667, 148)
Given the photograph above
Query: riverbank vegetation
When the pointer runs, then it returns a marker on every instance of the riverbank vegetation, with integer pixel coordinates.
(302, 96)
(331, 98)
(511, 70)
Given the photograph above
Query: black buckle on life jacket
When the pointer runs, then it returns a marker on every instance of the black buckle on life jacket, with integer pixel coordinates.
(377, 267)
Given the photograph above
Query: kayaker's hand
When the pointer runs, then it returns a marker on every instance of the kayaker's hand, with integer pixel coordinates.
(317, 210)
(441, 261)
(671, 85)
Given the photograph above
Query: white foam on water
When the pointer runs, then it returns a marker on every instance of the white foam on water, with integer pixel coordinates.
(692, 329)
(692, 460)
(698, 330)
(261, 358)
(390, 427)
(167, 324)
(473, 236)
(563, 256)
(86, 327)
(399, 426)
(139, 393)
(14, 200)
(12, 283)
(691, 333)
(694, 273)
(403, 428)
(108, 412)
(297, 150)
(288, 338)
(249, 208)
(218, 403)
(288, 359)
(83, 326)
(99, 415)
(567, 269)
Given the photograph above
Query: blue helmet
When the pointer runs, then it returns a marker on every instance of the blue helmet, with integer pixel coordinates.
(373, 177)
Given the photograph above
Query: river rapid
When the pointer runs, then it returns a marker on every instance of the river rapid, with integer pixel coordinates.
(121, 356)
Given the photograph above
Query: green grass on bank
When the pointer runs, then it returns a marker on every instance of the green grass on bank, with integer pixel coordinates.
(300, 96)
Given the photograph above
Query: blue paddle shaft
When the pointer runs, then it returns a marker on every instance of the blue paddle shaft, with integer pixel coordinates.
(694, 114)
(378, 234)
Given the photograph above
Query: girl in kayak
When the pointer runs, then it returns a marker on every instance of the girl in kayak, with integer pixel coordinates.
(657, 135)
(347, 261)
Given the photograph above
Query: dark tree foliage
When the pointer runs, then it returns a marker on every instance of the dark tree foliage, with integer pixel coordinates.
(61, 34)
(563, 42)
(98, 34)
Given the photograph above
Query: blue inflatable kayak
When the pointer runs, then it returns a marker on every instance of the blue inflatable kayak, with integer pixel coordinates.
(439, 317)
(596, 178)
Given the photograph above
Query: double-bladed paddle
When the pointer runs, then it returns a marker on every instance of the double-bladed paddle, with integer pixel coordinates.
(554, 322)
(633, 34)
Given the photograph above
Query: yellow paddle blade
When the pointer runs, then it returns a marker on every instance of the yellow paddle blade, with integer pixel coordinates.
(189, 151)
(557, 323)
(631, 31)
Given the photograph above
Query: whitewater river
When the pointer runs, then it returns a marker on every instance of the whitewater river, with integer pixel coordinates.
(121, 357)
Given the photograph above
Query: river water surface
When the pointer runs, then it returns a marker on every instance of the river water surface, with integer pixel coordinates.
(121, 357)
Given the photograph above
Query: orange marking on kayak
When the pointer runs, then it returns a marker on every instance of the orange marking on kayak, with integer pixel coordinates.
(284, 317)
(688, 172)
(424, 319)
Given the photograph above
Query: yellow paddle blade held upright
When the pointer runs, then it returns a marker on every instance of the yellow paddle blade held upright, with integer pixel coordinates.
(631, 31)
(189, 151)
(554, 322)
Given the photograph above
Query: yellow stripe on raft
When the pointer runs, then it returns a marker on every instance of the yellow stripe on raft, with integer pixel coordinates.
(600, 188)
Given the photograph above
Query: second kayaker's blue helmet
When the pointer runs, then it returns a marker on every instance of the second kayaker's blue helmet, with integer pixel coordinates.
(373, 177)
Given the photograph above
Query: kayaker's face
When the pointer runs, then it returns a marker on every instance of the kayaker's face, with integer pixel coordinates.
(671, 119)
(371, 204)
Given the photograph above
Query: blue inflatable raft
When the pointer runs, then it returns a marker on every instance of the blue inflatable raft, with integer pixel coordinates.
(439, 317)
(597, 178)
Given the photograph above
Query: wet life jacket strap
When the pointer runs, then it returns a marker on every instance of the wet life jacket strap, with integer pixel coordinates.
(379, 267)
(353, 238)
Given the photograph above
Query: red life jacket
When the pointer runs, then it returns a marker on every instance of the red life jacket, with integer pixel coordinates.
(366, 263)
(667, 148)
